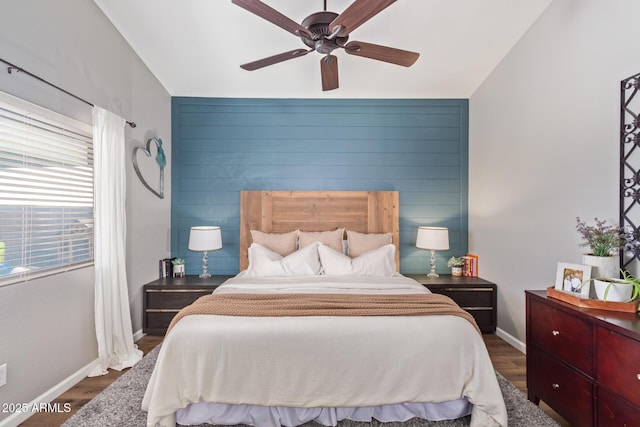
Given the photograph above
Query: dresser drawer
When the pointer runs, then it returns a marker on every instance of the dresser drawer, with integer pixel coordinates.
(468, 297)
(618, 361)
(162, 299)
(561, 387)
(477, 296)
(157, 322)
(165, 297)
(613, 411)
(484, 319)
(568, 337)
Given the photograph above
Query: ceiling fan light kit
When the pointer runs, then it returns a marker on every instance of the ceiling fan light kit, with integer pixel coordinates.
(324, 32)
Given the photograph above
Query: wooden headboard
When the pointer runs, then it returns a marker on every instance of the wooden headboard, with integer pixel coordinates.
(283, 211)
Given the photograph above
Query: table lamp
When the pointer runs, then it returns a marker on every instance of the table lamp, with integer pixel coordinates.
(433, 239)
(205, 239)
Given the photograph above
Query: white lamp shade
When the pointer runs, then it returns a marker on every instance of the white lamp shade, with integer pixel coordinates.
(436, 238)
(205, 238)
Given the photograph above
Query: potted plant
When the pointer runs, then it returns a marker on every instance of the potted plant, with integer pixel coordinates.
(178, 267)
(604, 242)
(624, 289)
(456, 264)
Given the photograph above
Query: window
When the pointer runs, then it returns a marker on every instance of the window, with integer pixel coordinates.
(46, 191)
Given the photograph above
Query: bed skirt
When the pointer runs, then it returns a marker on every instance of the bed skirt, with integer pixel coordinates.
(263, 416)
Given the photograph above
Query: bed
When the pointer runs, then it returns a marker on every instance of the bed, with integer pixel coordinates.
(266, 358)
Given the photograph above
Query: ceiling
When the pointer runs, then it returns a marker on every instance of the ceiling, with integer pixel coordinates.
(195, 47)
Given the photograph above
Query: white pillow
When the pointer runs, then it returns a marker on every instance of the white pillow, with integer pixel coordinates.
(378, 262)
(265, 262)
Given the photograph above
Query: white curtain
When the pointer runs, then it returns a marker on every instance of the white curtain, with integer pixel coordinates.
(116, 349)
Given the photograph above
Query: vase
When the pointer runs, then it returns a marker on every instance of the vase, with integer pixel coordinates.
(456, 271)
(603, 266)
(618, 291)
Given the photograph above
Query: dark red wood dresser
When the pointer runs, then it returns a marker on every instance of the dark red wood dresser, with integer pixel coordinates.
(584, 363)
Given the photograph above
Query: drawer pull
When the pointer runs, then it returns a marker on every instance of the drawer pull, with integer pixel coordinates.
(555, 386)
(555, 333)
(638, 376)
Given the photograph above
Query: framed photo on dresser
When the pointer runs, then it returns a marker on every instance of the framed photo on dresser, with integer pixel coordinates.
(573, 278)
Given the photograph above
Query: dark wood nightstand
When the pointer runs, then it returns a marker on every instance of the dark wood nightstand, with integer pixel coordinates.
(163, 298)
(477, 296)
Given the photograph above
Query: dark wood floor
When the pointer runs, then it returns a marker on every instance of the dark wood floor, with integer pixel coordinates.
(506, 360)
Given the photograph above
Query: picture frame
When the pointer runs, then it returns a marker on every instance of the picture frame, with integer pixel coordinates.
(569, 276)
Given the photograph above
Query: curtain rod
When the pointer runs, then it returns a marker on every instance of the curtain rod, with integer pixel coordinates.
(11, 67)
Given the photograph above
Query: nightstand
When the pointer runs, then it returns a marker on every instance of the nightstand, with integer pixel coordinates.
(477, 296)
(163, 298)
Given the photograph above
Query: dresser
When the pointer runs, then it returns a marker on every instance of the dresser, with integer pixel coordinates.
(583, 363)
(477, 296)
(165, 297)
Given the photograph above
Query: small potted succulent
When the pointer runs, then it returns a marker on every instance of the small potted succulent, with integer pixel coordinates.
(178, 267)
(625, 289)
(456, 264)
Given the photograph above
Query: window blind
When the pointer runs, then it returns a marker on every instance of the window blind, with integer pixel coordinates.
(46, 191)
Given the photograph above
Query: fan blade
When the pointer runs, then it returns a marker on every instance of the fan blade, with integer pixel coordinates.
(329, 71)
(266, 12)
(357, 14)
(382, 53)
(285, 56)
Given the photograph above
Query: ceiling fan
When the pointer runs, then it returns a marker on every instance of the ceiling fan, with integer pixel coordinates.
(324, 32)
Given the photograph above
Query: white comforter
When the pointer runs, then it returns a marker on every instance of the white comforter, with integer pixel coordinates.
(323, 361)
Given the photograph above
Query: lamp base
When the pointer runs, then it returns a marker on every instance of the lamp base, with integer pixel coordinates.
(205, 266)
(432, 274)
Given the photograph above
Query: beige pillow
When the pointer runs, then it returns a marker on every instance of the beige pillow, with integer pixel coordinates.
(359, 243)
(280, 243)
(333, 239)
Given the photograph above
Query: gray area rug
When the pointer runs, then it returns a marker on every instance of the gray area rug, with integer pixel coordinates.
(119, 405)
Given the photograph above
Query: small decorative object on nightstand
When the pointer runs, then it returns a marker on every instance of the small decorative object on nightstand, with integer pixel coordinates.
(456, 265)
(178, 267)
(433, 239)
(205, 239)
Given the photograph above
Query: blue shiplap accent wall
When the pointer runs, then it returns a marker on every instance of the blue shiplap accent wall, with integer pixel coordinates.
(418, 147)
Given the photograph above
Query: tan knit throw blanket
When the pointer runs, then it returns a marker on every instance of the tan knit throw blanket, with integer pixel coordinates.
(276, 305)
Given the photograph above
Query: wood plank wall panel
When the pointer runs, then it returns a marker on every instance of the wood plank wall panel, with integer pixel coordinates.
(418, 147)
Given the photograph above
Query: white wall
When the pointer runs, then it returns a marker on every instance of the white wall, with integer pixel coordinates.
(47, 325)
(544, 145)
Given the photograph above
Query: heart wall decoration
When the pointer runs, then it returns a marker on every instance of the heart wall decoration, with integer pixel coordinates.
(161, 160)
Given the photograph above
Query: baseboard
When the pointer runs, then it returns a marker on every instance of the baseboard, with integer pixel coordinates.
(48, 396)
(513, 341)
(138, 334)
